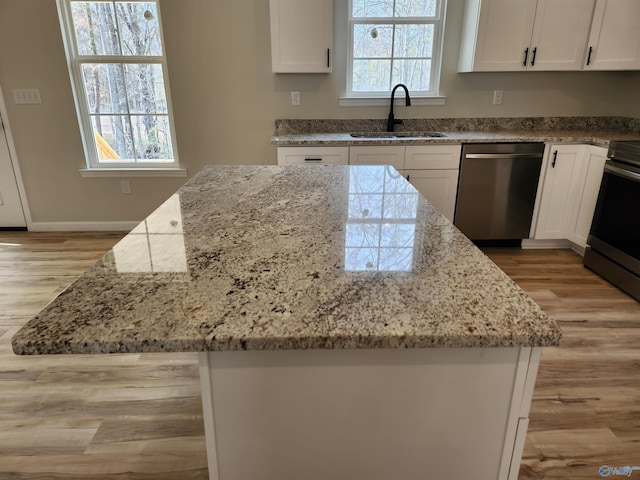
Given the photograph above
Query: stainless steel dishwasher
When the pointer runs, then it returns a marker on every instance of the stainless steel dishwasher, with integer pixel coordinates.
(497, 190)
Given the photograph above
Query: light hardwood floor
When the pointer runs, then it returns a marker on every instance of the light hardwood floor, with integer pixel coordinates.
(139, 416)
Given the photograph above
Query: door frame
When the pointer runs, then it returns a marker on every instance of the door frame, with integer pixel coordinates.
(13, 156)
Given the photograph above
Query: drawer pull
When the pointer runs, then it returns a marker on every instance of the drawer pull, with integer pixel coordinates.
(313, 159)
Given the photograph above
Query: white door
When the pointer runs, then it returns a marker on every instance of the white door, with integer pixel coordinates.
(560, 34)
(504, 35)
(614, 43)
(558, 211)
(11, 213)
(438, 186)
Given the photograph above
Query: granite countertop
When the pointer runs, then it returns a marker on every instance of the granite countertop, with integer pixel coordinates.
(275, 257)
(591, 130)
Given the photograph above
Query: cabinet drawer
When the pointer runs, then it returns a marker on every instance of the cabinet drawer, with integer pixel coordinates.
(313, 155)
(432, 157)
(378, 155)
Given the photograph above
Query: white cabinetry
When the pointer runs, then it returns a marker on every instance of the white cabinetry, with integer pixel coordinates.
(515, 35)
(614, 43)
(434, 170)
(301, 36)
(378, 155)
(313, 155)
(569, 192)
(593, 168)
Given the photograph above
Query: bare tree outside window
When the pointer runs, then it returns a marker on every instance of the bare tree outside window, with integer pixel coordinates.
(394, 42)
(118, 54)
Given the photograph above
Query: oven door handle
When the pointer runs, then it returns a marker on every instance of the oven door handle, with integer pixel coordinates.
(622, 172)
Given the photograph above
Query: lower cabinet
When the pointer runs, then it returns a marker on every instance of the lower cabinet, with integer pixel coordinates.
(594, 160)
(570, 185)
(440, 187)
(432, 169)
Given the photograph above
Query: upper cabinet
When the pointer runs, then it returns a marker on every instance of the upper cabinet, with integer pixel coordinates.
(517, 35)
(301, 36)
(614, 43)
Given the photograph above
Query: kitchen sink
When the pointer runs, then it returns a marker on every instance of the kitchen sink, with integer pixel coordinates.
(397, 134)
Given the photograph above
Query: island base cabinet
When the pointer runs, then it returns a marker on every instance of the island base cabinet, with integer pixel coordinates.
(445, 413)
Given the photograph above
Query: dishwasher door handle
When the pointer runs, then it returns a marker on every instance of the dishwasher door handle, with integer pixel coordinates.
(503, 155)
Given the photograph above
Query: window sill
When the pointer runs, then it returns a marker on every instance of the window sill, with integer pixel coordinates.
(384, 101)
(132, 172)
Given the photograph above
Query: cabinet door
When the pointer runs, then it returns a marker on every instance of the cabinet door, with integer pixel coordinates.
(594, 160)
(437, 186)
(313, 155)
(301, 36)
(557, 211)
(432, 157)
(560, 34)
(377, 155)
(614, 42)
(503, 33)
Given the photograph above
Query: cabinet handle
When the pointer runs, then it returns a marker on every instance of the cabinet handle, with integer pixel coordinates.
(408, 178)
(313, 159)
(555, 157)
(526, 55)
(589, 56)
(533, 56)
(328, 58)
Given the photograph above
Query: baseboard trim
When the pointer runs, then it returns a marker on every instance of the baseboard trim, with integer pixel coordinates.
(82, 226)
(531, 243)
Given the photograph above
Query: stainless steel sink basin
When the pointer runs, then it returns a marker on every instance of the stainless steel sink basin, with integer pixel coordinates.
(397, 134)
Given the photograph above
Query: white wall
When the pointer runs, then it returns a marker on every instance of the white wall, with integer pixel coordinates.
(226, 99)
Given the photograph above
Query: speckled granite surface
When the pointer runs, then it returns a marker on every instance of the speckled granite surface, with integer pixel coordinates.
(272, 257)
(592, 130)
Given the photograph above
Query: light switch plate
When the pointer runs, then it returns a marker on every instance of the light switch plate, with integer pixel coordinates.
(26, 96)
(497, 97)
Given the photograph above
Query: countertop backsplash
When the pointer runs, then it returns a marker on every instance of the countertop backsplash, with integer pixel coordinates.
(621, 124)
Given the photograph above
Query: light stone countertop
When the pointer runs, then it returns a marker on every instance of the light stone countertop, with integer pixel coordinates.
(273, 257)
(591, 130)
(601, 138)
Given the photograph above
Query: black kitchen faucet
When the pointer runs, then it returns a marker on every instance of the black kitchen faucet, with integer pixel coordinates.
(392, 122)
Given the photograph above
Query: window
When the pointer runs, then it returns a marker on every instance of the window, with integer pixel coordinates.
(119, 77)
(395, 41)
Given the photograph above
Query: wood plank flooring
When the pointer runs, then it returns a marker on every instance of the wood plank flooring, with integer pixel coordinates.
(139, 416)
(87, 417)
(586, 406)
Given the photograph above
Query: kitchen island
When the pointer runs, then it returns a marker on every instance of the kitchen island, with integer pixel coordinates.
(346, 329)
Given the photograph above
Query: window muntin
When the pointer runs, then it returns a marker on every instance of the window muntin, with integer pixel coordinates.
(120, 82)
(395, 42)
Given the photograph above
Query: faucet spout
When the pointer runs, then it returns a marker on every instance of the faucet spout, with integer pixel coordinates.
(391, 121)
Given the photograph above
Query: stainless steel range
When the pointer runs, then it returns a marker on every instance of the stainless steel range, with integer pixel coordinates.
(614, 251)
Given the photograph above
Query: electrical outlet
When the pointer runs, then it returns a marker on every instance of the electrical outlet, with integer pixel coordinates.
(295, 98)
(497, 97)
(26, 96)
(125, 186)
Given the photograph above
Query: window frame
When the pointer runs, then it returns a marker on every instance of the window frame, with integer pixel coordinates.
(75, 61)
(431, 96)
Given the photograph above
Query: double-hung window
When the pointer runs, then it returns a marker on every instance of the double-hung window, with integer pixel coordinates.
(119, 78)
(395, 41)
